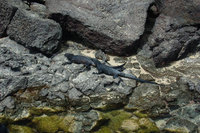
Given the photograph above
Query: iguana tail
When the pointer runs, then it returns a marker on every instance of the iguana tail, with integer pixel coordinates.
(119, 68)
(130, 76)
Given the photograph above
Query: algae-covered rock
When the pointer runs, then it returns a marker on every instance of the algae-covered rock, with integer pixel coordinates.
(46, 110)
(130, 125)
(20, 129)
(114, 120)
(54, 123)
(139, 125)
(125, 122)
(147, 126)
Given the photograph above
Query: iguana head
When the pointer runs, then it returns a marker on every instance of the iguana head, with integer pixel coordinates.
(69, 56)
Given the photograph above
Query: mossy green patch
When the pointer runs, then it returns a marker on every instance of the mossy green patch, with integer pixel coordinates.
(125, 122)
(147, 126)
(46, 124)
(115, 119)
(51, 124)
(140, 114)
(45, 110)
(20, 129)
(5, 119)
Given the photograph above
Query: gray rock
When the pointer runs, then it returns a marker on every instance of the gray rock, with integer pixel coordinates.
(147, 97)
(113, 26)
(189, 112)
(183, 11)
(198, 87)
(39, 79)
(87, 121)
(8, 102)
(180, 125)
(175, 32)
(19, 4)
(12, 85)
(89, 83)
(35, 33)
(39, 9)
(44, 92)
(108, 101)
(6, 14)
(13, 46)
(74, 94)
(102, 56)
(20, 69)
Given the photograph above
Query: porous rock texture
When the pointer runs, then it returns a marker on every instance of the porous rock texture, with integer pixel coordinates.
(113, 26)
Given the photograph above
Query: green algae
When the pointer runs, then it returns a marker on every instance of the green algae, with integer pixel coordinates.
(5, 119)
(45, 110)
(46, 124)
(20, 129)
(51, 124)
(114, 121)
(140, 114)
(147, 126)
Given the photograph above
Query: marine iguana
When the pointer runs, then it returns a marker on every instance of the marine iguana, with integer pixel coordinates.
(87, 61)
(103, 68)
(79, 59)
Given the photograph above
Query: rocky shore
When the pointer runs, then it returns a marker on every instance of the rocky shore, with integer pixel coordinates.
(158, 40)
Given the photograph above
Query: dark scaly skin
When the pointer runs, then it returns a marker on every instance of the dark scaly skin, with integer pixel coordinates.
(102, 68)
(79, 59)
(119, 68)
(87, 61)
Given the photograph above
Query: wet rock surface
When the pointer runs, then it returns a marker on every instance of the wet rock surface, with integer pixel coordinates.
(113, 26)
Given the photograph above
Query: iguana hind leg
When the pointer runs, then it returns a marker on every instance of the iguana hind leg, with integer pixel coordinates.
(88, 67)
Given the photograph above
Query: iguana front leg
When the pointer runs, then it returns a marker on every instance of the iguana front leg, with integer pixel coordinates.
(86, 67)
